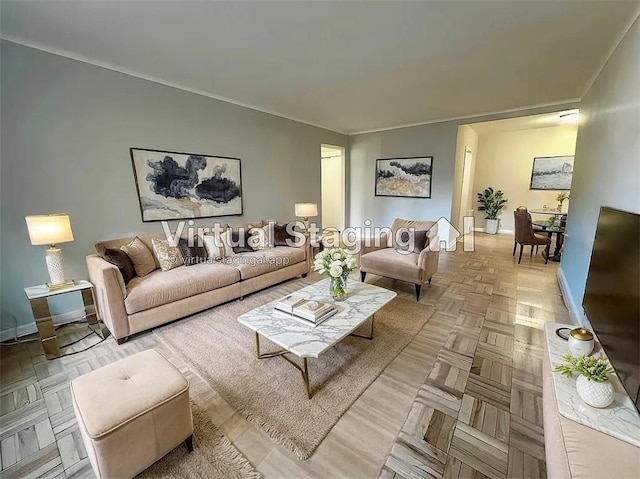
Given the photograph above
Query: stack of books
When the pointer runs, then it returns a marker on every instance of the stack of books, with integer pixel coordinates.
(306, 311)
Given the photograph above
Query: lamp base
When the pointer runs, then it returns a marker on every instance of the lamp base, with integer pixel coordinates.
(61, 285)
(55, 266)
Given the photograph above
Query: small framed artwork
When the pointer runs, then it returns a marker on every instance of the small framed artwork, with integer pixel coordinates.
(174, 185)
(404, 177)
(551, 173)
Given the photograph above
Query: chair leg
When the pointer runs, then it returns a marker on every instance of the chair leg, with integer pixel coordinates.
(515, 245)
(363, 275)
(430, 279)
(547, 252)
(418, 288)
(531, 252)
(537, 246)
(520, 257)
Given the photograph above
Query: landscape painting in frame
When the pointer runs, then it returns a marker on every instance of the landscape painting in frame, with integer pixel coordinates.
(552, 173)
(404, 177)
(185, 185)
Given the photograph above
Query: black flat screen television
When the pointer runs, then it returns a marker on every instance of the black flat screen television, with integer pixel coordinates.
(612, 295)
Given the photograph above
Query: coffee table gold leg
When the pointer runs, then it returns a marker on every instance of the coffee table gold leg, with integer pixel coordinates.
(370, 336)
(304, 369)
(305, 377)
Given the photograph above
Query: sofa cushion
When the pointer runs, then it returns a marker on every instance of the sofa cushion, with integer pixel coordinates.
(431, 227)
(162, 287)
(240, 242)
(393, 264)
(281, 235)
(260, 262)
(412, 240)
(168, 256)
(119, 258)
(141, 257)
(193, 254)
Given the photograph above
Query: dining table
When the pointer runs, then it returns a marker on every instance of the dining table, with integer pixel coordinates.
(555, 226)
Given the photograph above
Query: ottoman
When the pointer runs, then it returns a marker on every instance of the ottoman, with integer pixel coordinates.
(131, 413)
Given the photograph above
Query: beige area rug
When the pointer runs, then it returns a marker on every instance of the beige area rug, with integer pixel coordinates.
(213, 456)
(270, 392)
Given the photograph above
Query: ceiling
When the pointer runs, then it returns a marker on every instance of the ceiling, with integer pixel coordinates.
(347, 66)
(565, 118)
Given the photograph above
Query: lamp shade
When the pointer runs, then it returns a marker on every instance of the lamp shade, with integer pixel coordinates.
(306, 209)
(49, 229)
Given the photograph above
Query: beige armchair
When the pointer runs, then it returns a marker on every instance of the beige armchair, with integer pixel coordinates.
(384, 259)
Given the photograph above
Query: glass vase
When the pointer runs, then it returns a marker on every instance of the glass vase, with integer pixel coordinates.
(338, 288)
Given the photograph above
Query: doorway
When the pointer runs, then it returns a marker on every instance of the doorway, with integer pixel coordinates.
(465, 190)
(333, 186)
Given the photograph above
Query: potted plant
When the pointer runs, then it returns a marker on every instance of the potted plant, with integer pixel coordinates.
(491, 202)
(593, 385)
(561, 198)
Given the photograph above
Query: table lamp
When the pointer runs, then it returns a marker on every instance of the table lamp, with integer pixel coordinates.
(306, 210)
(52, 229)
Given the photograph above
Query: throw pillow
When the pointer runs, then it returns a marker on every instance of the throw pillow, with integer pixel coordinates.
(218, 245)
(281, 235)
(419, 242)
(169, 257)
(244, 226)
(140, 256)
(120, 259)
(192, 254)
(240, 241)
(261, 238)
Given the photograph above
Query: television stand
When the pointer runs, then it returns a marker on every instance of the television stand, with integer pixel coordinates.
(582, 441)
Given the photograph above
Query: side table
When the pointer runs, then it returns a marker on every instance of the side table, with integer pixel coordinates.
(38, 298)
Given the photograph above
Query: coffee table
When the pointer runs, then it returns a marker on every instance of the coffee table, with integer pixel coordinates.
(303, 341)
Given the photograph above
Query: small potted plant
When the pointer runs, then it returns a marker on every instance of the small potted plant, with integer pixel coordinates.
(491, 202)
(593, 385)
(561, 199)
(336, 263)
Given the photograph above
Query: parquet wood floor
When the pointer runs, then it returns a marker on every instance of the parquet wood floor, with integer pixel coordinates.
(464, 399)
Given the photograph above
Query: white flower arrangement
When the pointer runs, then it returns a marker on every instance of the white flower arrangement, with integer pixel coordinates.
(335, 262)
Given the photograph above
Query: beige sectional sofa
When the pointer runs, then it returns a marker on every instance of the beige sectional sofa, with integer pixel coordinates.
(163, 296)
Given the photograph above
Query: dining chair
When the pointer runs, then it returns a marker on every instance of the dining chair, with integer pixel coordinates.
(524, 234)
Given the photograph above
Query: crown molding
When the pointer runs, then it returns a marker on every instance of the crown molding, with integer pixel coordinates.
(477, 117)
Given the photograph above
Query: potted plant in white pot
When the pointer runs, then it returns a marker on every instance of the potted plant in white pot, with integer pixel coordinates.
(593, 384)
(491, 202)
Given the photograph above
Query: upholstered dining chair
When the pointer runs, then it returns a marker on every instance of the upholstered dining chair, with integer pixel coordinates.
(524, 234)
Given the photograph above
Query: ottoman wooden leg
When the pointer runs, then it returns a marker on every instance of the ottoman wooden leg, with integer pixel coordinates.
(189, 443)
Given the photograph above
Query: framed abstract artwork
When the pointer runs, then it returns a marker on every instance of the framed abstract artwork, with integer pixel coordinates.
(551, 173)
(404, 177)
(174, 185)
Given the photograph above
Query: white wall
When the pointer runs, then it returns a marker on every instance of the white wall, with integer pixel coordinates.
(333, 191)
(607, 167)
(467, 138)
(504, 161)
(66, 132)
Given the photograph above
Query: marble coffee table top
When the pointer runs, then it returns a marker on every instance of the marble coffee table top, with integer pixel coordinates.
(362, 302)
(620, 420)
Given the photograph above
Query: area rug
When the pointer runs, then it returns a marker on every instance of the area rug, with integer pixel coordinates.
(270, 393)
(213, 456)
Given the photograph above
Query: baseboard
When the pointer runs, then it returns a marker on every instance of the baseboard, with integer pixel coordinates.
(30, 328)
(575, 312)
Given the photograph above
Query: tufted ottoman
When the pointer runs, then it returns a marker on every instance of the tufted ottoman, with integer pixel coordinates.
(131, 413)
